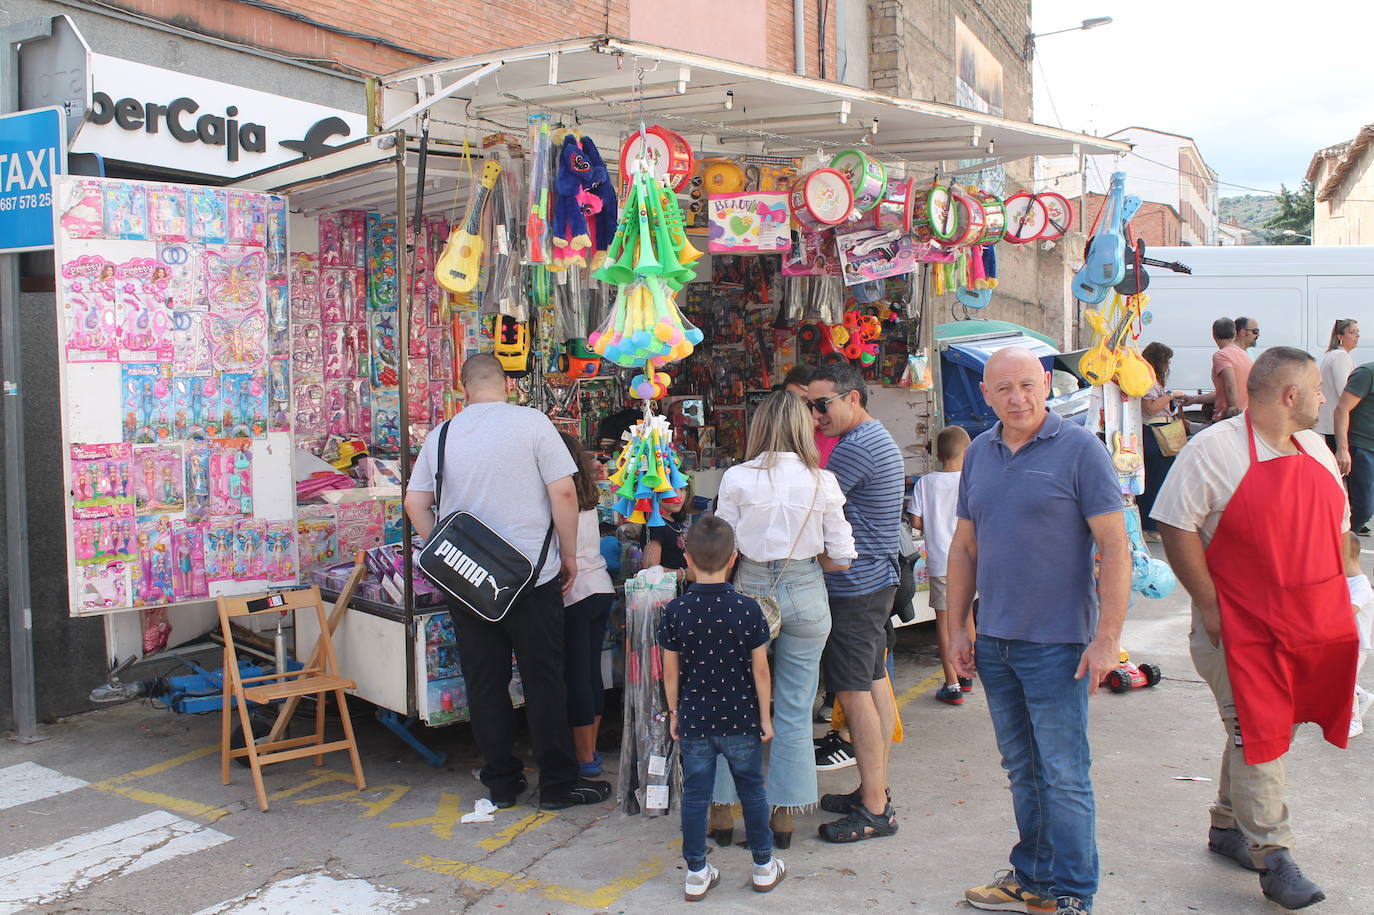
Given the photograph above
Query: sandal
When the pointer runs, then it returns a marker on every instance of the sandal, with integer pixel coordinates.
(844, 803)
(860, 825)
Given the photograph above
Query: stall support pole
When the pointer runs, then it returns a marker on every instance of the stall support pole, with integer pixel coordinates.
(403, 306)
(22, 692)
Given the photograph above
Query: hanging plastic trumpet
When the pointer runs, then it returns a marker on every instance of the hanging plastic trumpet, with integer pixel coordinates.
(646, 475)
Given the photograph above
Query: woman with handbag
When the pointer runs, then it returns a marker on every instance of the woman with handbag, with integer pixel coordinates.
(788, 516)
(1336, 366)
(1165, 433)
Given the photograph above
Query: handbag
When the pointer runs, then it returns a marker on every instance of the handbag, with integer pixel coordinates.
(1171, 436)
(772, 612)
(473, 565)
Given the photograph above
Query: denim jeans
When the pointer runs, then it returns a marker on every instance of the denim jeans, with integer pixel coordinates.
(744, 756)
(1040, 716)
(796, 671)
(1360, 485)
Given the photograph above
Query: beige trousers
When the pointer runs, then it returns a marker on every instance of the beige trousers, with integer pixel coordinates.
(1250, 798)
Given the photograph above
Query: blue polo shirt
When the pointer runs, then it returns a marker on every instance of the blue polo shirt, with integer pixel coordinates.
(715, 629)
(869, 467)
(1030, 514)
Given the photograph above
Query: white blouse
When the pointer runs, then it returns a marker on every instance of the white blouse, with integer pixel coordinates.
(592, 577)
(1336, 367)
(770, 509)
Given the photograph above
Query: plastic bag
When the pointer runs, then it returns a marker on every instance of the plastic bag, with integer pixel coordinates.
(650, 782)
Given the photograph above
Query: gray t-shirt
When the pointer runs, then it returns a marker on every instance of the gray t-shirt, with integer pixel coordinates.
(497, 462)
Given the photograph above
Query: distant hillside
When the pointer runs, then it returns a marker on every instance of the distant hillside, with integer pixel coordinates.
(1250, 211)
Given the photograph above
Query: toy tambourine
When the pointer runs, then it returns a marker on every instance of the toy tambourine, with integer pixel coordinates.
(820, 199)
(668, 155)
(867, 177)
(1059, 216)
(1025, 218)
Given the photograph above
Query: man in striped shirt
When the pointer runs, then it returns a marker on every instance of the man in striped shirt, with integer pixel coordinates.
(868, 465)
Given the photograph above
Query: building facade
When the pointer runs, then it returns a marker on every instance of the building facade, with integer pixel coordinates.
(1342, 178)
(1165, 168)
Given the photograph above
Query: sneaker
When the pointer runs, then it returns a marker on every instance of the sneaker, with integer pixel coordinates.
(950, 695)
(505, 802)
(583, 791)
(701, 882)
(1283, 882)
(1005, 894)
(1356, 723)
(1231, 843)
(1363, 698)
(1071, 905)
(823, 714)
(966, 684)
(767, 876)
(834, 752)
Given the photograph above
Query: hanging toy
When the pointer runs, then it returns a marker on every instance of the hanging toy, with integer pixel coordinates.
(647, 475)
(583, 193)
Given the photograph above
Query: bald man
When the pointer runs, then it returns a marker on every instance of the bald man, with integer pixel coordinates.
(1252, 515)
(1035, 495)
(508, 466)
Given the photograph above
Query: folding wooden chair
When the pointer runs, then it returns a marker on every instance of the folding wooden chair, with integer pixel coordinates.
(321, 677)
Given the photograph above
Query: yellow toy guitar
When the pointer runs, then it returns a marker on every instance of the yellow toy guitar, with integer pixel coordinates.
(1113, 357)
(459, 264)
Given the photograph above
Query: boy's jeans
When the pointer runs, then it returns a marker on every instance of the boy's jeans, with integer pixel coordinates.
(744, 755)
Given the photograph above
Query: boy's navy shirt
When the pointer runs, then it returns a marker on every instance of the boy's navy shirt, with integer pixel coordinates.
(715, 629)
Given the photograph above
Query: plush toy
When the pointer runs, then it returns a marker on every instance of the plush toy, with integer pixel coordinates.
(584, 214)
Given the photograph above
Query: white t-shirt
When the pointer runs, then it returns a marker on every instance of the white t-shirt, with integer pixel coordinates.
(934, 497)
(1336, 368)
(498, 461)
(1362, 596)
(1209, 469)
(592, 577)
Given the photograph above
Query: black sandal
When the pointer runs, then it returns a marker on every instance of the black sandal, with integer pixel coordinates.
(860, 825)
(844, 803)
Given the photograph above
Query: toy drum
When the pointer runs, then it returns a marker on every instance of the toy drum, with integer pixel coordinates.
(932, 217)
(1025, 218)
(867, 177)
(895, 209)
(972, 218)
(667, 153)
(1058, 216)
(820, 199)
(996, 213)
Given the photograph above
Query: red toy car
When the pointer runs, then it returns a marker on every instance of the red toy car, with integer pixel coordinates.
(1130, 676)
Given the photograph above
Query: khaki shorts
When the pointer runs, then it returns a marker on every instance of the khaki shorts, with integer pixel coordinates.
(939, 590)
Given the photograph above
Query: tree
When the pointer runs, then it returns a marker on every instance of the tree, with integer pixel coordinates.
(1295, 213)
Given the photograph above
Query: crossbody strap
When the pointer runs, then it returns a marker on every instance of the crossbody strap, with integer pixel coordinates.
(796, 540)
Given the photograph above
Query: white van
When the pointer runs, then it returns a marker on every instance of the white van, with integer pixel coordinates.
(1295, 293)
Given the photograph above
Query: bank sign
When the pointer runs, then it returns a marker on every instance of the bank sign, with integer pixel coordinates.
(30, 154)
(151, 116)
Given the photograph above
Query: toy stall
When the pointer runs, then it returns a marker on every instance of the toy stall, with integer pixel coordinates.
(647, 239)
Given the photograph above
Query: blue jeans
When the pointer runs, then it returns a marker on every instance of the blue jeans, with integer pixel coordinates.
(744, 756)
(1040, 716)
(805, 611)
(1360, 485)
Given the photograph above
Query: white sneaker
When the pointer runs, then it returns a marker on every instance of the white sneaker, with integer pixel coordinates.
(1356, 723)
(767, 876)
(699, 883)
(1363, 698)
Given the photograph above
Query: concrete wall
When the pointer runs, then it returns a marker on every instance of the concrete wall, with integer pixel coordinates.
(1348, 217)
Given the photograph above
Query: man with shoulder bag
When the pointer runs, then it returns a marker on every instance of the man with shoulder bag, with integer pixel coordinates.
(507, 525)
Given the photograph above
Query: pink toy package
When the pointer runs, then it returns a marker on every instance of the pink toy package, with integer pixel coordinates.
(345, 346)
(310, 421)
(103, 586)
(281, 551)
(188, 561)
(167, 216)
(101, 481)
(247, 219)
(317, 537)
(159, 479)
(331, 250)
(126, 211)
(307, 350)
(83, 210)
(231, 478)
(198, 481)
(219, 550)
(278, 319)
(233, 278)
(419, 333)
(250, 562)
(360, 526)
(237, 341)
(305, 287)
(279, 394)
(418, 402)
(190, 343)
(104, 540)
(91, 309)
(152, 566)
(145, 320)
(348, 407)
(441, 354)
(353, 238)
(146, 400)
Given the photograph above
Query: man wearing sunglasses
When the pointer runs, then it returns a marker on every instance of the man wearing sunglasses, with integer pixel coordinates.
(1247, 334)
(869, 467)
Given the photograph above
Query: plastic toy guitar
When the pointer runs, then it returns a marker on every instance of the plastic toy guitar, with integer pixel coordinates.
(461, 260)
(1105, 263)
(1136, 280)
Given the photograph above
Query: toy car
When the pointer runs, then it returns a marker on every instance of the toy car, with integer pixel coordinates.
(1131, 676)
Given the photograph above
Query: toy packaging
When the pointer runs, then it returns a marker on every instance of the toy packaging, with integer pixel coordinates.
(196, 405)
(250, 543)
(386, 421)
(101, 481)
(360, 526)
(247, 220)
(146, 396)
(90, 312)
(103, 586)
(190, 343)
(305, 287)
(209, 212)
(748, 222)
(103, 540)
(167, 217)
(347, 407)
(231, 478)
(381, 258)
(159, 479)
(126, 211)
(242, 405)
(152, 567)
(188, 561)
(280, 546)
(219, 550)
(279, 394)
(317, 537)
(392, 516)
(197, 481)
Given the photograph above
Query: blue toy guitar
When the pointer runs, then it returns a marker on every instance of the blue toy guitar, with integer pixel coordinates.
(1105, 263)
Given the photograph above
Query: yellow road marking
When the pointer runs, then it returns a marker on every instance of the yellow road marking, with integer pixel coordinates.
(119, 785)
(390, 795)
(519, 827)
(920, 689)
(446, 816)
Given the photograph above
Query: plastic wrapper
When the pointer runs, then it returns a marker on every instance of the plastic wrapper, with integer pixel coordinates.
(650, 781)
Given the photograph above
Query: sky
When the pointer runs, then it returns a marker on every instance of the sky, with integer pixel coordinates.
(1260, 86)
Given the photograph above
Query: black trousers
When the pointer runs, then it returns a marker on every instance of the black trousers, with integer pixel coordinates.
(584, 628)
(533, 630)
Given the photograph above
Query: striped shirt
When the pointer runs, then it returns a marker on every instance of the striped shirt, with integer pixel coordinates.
(869, 467)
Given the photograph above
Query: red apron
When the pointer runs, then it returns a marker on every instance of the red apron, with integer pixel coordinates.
(1287, 626)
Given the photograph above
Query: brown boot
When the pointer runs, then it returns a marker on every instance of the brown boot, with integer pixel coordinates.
(781, 822)
(721, 825)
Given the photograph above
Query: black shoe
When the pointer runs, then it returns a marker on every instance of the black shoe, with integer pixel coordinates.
(506, 801)
(1283, 882)
(858, 825)
(1230, 843)
(1364, 531)
(845, 803)
(966, 684)
(583, 791)
(834, 752)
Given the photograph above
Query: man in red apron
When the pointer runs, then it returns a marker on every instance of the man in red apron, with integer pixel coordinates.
(1251, 517)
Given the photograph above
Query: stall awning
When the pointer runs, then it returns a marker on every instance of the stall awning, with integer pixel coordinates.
(605, 84)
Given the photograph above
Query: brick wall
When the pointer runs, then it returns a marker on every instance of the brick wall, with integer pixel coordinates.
(1158, 224)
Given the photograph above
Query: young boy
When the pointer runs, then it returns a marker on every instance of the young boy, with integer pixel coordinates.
(933, 501)
(1362, 602)
(715, 675)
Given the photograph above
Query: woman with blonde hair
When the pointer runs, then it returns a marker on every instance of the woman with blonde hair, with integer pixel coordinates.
(788, 516)
(1336, 367)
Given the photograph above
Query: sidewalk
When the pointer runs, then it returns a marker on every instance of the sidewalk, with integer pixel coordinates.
(121, 810)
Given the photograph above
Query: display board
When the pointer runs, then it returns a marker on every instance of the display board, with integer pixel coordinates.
(174, 334)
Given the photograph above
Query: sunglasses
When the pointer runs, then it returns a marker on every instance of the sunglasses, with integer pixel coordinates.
(822, 406)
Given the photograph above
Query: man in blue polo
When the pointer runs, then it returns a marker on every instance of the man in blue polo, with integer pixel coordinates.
(1035, 495)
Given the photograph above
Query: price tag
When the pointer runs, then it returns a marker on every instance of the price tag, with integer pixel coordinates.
(658, 765)
(656, 797)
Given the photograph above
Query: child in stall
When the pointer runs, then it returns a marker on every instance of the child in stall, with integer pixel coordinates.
(665, 545)
(586, 610)
(1362, 602)
(933, 500)
(716, 682)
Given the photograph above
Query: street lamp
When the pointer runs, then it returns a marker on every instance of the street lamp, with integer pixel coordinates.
(1081, 27)
(1294, 234)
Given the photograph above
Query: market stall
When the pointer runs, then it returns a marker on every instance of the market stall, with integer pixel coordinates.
(634, 232)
